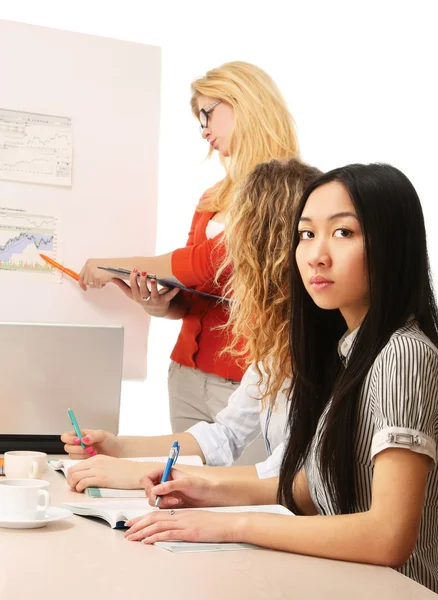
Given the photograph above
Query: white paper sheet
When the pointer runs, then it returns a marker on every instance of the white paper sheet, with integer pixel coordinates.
(35, 148)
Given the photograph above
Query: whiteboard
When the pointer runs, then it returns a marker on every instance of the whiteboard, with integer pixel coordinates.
(111, 91)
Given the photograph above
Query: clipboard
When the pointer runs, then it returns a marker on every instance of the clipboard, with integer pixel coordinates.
(168, 282)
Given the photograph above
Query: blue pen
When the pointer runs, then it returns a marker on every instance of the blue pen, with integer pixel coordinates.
(173, 457)
(71, 414)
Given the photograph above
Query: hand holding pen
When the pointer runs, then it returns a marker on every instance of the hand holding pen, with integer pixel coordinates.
(78, 432)
(173, 457)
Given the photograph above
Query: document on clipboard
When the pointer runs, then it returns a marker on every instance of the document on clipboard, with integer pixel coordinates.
(168, 282)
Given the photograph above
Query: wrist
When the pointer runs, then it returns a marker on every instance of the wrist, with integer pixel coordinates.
(117, 446)
(240, 527)
(220, 494)
(139, 471)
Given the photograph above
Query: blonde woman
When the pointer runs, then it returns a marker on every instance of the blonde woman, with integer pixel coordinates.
(258, 243)
(244, 118)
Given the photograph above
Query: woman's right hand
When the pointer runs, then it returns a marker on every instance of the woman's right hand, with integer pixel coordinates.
(96, 441)
(93, 277)
(181, 490)
(155, 303)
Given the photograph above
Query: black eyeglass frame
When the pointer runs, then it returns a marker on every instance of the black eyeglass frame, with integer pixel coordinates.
(205, 112)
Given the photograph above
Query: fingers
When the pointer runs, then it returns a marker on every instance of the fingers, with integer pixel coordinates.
(145, 294)
(82, 476)
(179, 483)
(91, 276)
(133, 521)
(151, 479)
(76, 473)
(86, 278)
(142, 292)
(167, 502)
(155, 296)
(75, 452)
(74, 449)
(165, 536)
(68, 437)
(81, 280)
(85, 483)
(170, 491)
(122, 285)
(73, 446)
(135, 287)
(93, 436)
(157, 532)
(148, 482)
(151, 524)
(170, 294)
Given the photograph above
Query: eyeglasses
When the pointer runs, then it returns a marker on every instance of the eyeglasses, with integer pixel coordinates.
(205, 112)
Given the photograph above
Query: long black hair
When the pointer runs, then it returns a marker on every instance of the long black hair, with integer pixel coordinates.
(391, 218)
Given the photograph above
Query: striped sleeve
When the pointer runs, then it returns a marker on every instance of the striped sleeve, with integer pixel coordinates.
(406, 397)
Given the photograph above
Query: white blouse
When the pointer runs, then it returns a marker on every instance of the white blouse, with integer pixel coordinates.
(241, 422)
(214, 228)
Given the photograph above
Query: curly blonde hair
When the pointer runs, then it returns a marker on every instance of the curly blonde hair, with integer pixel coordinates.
(258, 239)
(263, 126)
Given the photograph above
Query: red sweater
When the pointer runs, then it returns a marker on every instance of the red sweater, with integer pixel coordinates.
(198, 345)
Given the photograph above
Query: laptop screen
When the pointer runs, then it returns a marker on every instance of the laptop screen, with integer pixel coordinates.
(47, 368)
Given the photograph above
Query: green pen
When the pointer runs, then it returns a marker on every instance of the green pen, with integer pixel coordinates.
(71, 414)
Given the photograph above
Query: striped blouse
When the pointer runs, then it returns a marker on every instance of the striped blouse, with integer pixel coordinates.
(398, 408)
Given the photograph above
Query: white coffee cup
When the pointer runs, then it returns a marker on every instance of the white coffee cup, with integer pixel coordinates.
(24, 499)
(23, 464)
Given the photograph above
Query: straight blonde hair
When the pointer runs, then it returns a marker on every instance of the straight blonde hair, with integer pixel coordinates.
(263, 126)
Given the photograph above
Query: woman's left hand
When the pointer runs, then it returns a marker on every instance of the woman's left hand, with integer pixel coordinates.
(185, 525)
(155, 303)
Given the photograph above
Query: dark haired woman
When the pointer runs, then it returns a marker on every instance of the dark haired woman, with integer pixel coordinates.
(364, 403)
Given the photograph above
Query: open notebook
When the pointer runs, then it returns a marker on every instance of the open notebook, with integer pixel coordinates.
(96, 492)
(117, 513)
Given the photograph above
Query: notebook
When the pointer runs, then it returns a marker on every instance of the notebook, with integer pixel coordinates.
(168, 282)
(96, 492)
(117, 513)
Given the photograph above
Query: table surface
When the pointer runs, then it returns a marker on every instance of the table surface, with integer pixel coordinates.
(80, 556)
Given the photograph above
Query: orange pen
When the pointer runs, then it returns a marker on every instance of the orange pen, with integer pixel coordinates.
(60, 267)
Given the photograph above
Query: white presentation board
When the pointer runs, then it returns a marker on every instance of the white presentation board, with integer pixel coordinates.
(79, 128)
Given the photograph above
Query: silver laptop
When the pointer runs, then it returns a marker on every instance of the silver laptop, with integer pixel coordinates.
(47, 368)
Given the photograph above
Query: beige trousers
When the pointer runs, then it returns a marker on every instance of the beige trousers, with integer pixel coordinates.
(196, 396)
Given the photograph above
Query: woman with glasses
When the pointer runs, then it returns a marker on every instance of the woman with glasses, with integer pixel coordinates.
(244, 118)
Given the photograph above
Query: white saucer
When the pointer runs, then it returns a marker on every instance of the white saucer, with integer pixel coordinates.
(53, 514)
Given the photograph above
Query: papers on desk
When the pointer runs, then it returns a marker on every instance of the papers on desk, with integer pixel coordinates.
(117, 513)
(180, 547)
(64, 465)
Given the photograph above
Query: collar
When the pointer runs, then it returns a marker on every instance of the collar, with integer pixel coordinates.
(346, 341)
(345, 344)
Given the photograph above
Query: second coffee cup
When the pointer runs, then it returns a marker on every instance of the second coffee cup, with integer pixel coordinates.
(25, 464)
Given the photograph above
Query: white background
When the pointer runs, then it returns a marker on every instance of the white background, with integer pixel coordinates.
(359, 78)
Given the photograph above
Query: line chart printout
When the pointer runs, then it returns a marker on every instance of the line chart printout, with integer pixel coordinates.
(23, 236)
(35, 148)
